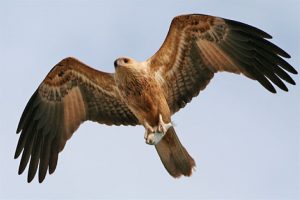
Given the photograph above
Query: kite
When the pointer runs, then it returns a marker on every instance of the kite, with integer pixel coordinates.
(146, 93)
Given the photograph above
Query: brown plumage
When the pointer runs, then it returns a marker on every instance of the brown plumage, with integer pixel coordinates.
(146, 93)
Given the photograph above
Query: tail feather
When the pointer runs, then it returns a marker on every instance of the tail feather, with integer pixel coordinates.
(174, 156)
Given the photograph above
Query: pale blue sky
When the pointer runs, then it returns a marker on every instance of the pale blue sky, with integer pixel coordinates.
(244, 139)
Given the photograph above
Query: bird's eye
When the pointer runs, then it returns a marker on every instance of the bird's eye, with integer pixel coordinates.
(126, 60)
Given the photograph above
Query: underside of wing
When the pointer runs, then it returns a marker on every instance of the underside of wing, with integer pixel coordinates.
(70, 94)
(197, 46)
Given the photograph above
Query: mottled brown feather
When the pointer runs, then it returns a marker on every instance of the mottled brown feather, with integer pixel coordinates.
(70, 94)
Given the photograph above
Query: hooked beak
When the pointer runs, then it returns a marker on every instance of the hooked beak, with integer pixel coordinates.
(116, 63)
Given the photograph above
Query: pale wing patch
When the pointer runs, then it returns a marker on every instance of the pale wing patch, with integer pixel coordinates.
(215, 58)
(178, 58)
(158, 76)
(74, 112)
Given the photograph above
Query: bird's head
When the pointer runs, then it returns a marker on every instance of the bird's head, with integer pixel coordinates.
(128, 67)
(124, 62)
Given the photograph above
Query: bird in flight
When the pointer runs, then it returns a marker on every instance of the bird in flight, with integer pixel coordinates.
(146, 93)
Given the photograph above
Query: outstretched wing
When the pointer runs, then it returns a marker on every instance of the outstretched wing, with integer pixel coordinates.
(70, 94)
(197, 46)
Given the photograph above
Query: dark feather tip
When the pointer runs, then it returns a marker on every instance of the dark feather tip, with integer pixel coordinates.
(16, 155)
(29, 179)
(273, 91)
(295, 72)
(41, 179)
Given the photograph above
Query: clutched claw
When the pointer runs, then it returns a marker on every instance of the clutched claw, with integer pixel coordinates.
(153, 135)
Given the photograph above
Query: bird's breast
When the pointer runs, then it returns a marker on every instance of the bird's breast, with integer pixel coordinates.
(134, 86)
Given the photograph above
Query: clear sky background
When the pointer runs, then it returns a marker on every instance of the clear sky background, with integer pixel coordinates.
(244, 139)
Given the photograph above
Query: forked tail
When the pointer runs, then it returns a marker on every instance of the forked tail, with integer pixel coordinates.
(174, 156)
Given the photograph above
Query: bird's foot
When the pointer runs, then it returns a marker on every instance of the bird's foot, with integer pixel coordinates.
(153, 135)
(148, 130)
(162, 126)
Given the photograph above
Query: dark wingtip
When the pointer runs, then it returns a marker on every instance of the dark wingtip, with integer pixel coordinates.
(284, 88)
(281, 52)
(20, 171)
(23, 164)
(31, 174)
(51, 170)
(286, 55)
(292, 82)
(41, 179)
(29, 179)
(295, 71)
(291, 70)
(16, 155)
(272, 90)
(19, 128)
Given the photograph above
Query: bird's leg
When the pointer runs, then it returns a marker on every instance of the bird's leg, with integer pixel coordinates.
(149, 133)
(148, 130)
(162, 126)
(153, 135)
